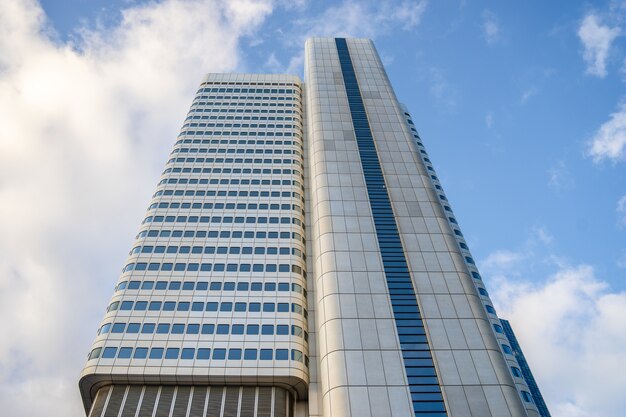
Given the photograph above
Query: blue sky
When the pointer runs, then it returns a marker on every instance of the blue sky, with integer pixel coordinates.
(520, 105)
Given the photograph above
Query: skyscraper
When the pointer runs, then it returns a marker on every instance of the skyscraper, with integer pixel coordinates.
(299, 258)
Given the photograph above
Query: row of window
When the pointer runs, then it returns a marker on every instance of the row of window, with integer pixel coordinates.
(252, 118)
(241, 125)
(240, 193)
(227, 181)
(236, 150)
(210, 286)
(220, 219)
(232, 250)
(245, 99)
(198, 354)
(208, 267)
(226, 234)
(242, 104)
(248, 90)
(246, 161)
(275, 171)
(222, 206)
(497, 328)
(205, 328)
(238, 142)
(198, 306)
(245, 111)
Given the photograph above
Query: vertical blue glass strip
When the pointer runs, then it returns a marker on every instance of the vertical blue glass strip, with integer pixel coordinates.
(526, 373)
(423, 383)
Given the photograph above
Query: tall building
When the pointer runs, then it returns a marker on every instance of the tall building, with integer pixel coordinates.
(299, 258)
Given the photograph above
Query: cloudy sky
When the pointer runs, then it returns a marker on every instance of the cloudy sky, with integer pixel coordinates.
(521, 106)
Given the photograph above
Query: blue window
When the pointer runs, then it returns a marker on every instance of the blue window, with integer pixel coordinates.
(240, 306)
(252, 329)
(219, 354)
(226, 306)
(132, 328)
(125, 353)
(156, 353)
(187, 353)
(490, 309)
(141, 353)
(208, 328)
(283, 307)
(222, 328)
(237, 329)
(203, 353)
(178, 328)
(282, 354)
(498, 328)
(147, 328)
(126, 305)
(169, 306)
(234, 354)
(183, 306)
(516, 371)
(482, 291)
(507, 349)
(109, 352)
(267, 329)
(197, 306)
(211, 306)
(282, 329)
(249, 354)
(118, 328)
(193, 328)
(266, 355)
(155, 306)
(269, 307)
(172, 353)
(163, 328)
(476, 275)
(527, 397)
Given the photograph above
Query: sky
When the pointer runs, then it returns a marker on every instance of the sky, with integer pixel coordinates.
(521, 106)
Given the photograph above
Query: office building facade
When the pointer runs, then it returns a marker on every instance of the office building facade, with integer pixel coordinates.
(299, 258)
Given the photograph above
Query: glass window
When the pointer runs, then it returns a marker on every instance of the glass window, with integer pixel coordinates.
(516, 371)
(193, 328)
(222, 328)
(132, 328)
(249, 354)
(178, 328)
(125, 353)
(234, 354)
(266, 354)
(148, 328)
(267, 329)
(237, 329)
(163, 328)
(109, 352)
(203, 353)
(156, 353)
(507, 349)
(172, 353)
(219, 354)
(118, 328)
(187, 353)
(140, 353)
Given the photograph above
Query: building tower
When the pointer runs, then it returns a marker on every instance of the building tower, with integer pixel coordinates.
(299, 258)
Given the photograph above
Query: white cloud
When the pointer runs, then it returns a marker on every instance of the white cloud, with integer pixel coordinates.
(610, 139)
(443, 93)
(572, 330)
(527, 94)
(489, 120)
(491, 27)
(596, 39)
(84, 131)
(621, 211)
(560, 177)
